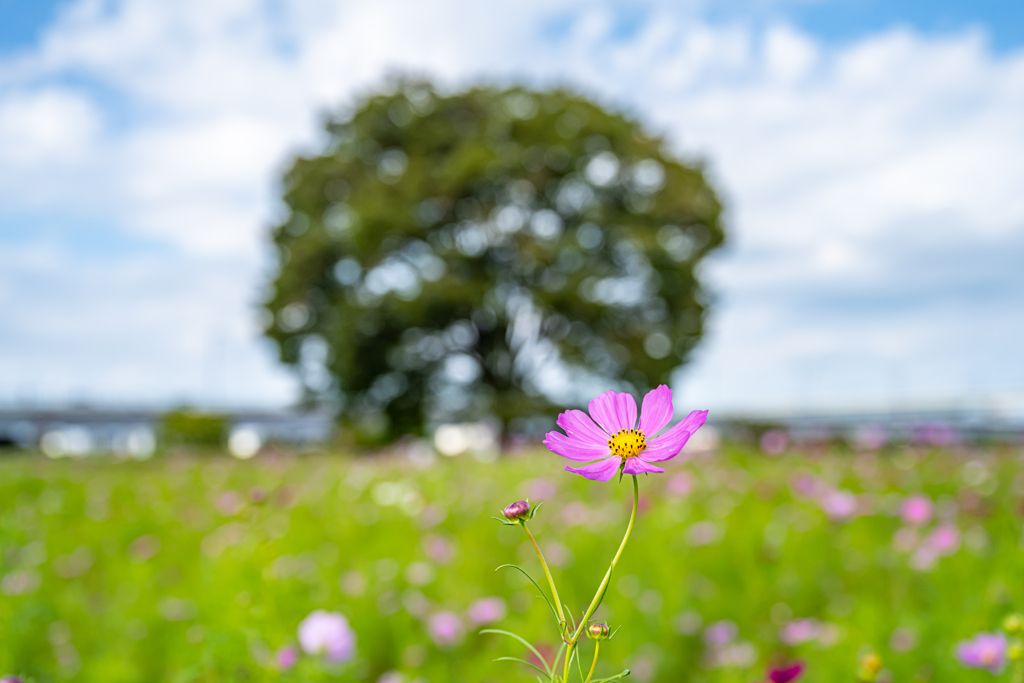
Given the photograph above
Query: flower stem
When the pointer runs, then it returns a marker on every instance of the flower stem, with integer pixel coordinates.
(547, 573)
(604, 582)
(597, 648)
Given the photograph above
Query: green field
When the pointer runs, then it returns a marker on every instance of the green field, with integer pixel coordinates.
(200, 567)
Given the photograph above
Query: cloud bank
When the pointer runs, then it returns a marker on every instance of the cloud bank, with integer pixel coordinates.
(875, 211)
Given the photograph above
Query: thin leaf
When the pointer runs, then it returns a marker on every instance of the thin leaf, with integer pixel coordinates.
(524, 642)
(521, 661)
(579, 667)
(558, 656)
(616, 677)
(542, 593)
(569, 612)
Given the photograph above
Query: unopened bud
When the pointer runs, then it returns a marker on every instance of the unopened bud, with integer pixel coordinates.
(1014, 623)
(598, 631)
(1015, 650)
(516, 510)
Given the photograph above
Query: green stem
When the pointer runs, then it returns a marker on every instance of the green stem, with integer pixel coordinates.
(597, 648)
(604, 582)
(547, 573)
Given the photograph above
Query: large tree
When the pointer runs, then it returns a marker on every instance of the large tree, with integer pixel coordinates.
(486, 254)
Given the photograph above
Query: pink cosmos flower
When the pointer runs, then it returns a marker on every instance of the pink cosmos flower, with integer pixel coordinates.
(983, 651)
(445, 629)
(286, 658)
(839, 504)
(787, 673)
(945, 540)
(327, 633)
(617, 443)
(800, 631)
(916, 510)
(486, 611)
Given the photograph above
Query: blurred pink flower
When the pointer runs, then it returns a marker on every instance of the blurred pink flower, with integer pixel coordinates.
(721, 633)
(576, 513)
(924, 557)
(445, 628)
(680, 485)
(984, 651)
(286, 658)
(945, 540)
(839, 504)
(871, 437)
(800, 631)
(774, 442)
(541, 489)
(439, 549)
(327, 633)
(902, 640)
(916, 510)
(230, 503)
(486, 611)
(806, 485)
(786, 673)
(617, 442)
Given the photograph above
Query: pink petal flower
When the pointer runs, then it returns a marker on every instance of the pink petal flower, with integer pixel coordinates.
(787, 673)
(327, 633)
(286, 658)
(916, 510)
(590, 438)
(656, 411)
(945, 540)
(668, 445)
(445, 629)
(984, 651)
(614, 411)
(575, 449)
(486, 611)
(638, 466)
(603, 470)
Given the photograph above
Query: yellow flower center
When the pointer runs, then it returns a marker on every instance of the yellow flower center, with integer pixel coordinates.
(627, 443)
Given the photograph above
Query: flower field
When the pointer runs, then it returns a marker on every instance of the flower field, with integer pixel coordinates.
(201, 568)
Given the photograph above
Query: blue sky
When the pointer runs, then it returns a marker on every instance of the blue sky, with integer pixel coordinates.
(830, 20)
(865, 151)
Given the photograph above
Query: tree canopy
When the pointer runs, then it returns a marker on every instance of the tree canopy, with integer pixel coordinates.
(491, 253)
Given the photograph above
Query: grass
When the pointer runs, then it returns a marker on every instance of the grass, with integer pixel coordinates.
(199, 568)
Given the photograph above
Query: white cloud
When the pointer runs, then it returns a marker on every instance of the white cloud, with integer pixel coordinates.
(838, 165)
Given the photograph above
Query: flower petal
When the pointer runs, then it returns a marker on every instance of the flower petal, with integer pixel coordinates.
(614, 411)
(669, 444)
(599, 471)
(578, 424)
(574, 448)
(656, 411)
(638, 466)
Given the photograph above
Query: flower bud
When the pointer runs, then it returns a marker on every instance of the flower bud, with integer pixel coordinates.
(1014, 623)
(598, 631)
(516, 510)
(1015, 650)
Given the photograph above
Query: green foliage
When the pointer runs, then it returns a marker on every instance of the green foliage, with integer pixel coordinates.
(186, 427)
(451, 257)
(198, 569)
